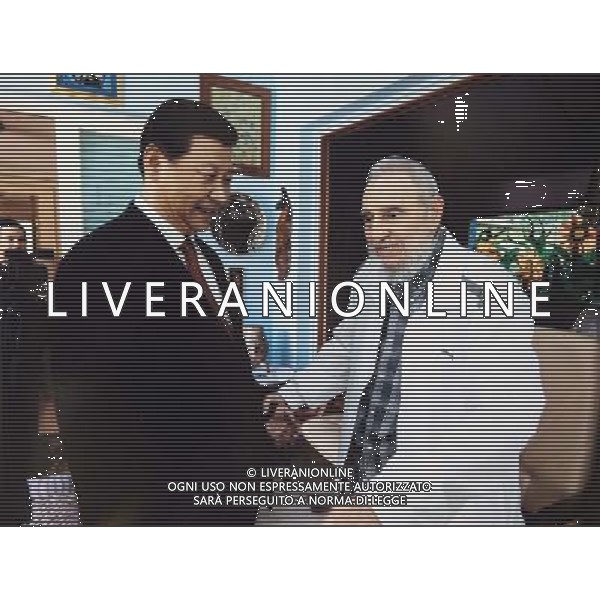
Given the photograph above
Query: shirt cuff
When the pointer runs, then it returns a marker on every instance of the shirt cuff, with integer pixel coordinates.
(292, 395)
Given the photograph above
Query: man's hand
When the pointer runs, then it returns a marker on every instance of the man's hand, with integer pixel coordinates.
(270, 401)
(283, 423)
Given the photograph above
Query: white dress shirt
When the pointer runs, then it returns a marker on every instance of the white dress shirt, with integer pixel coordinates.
(175, 239)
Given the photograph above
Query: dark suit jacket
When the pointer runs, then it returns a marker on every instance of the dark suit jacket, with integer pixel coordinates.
(145, 401)
(22, 321)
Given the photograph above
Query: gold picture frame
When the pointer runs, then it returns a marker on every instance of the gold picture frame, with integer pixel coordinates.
(248, 108)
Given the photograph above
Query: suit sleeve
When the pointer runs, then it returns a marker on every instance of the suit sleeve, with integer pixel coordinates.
(85, 350)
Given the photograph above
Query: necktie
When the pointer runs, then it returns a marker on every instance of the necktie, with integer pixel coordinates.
(191, 262)
(215, 264)
(233, 315)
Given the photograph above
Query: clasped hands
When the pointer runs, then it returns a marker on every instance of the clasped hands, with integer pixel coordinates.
(284, 423)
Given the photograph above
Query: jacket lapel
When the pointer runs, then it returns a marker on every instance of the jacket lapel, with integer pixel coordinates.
(164, 259)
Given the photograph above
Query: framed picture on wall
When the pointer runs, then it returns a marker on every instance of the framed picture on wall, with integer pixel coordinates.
(94, 86)
(540, 246)
(248, 107)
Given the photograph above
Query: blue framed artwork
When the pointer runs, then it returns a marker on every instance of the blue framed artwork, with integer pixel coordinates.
(97, 86)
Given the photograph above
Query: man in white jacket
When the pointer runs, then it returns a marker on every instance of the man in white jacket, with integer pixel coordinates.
(447, 394)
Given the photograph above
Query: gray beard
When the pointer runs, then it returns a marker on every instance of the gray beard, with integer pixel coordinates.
(410, 266)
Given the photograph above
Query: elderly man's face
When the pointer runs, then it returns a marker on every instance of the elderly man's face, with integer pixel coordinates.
(11, 238)
(400, 217)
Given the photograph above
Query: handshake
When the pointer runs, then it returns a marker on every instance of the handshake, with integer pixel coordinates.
(284, 423)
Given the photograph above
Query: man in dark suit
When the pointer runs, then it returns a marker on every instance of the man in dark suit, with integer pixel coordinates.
(22, 314)
(149, 400)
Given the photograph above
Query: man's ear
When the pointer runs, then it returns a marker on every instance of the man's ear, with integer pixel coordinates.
(153, 158)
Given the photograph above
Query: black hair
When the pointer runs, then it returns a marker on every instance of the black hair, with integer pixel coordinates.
(5, 222)
(173, 124)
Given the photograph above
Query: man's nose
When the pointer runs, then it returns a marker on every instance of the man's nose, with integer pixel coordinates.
(376, 239)
(379, 232)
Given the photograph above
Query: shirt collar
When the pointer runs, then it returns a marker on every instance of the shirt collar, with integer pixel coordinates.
(171, 234)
